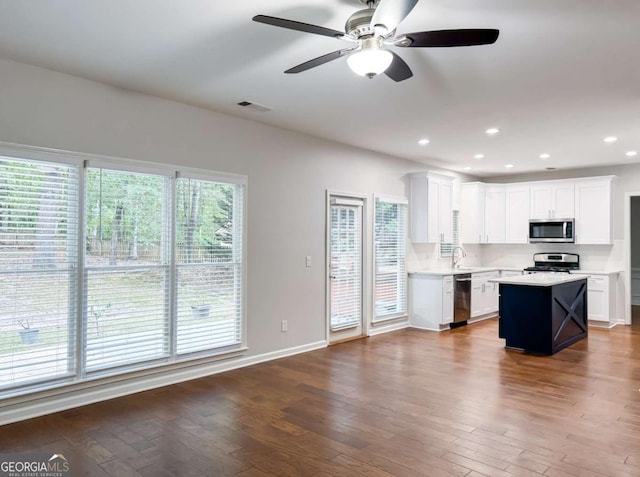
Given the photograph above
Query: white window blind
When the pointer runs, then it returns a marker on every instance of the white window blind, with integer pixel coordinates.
(446, 249)
(38, 262)
(161, 277)
(346, 266)
(390, 236)
(126, 268)
(209, 265)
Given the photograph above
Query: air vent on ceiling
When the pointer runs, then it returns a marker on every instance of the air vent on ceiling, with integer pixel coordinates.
(254, 106)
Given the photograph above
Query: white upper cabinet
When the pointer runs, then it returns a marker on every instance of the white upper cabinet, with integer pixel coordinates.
(430, 206)
(517, 223)
(495, 213)
(593, 210)
(552, 200)
(483, 213)
(500, 213)
(472, 206)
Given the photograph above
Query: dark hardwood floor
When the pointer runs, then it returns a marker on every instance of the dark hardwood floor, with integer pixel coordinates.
(407, 403)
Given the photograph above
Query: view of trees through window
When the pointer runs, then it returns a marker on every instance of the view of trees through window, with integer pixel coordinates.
(162, 272)
(38, 261)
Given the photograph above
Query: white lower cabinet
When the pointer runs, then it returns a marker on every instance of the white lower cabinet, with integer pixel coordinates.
(484, 294)
(601, 299)
(447, 300)
(430, 301)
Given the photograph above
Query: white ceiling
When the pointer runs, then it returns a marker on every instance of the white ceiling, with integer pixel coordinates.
(563, 74)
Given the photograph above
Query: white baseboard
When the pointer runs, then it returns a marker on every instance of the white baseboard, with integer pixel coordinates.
(605, 325)
(493, 314)
(388, 327)
(424, 328)
(27, 407)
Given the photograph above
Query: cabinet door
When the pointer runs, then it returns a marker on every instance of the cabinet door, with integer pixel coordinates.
(472, 212)
(541, 201)
(445, 200)
(418, 208)
(477, 298)
(563, 201)
(593, 211)
(493, 297)
(495, 214)
(597, 298)
(517, 222)
(434, 234)
(447, 306)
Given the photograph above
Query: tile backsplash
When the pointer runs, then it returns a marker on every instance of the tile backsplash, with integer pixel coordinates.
(592, 257)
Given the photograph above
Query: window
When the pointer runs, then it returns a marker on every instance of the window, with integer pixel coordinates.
(126, 268)
(158, 278)
(209, 265)
(390, 258)
(446, 249)
(38, 264)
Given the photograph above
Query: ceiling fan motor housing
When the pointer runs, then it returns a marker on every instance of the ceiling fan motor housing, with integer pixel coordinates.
(359, 24)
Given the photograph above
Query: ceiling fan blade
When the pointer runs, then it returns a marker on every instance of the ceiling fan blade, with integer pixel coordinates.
(398, 70)
(448, 38)
(299, 26)
(321, 60)
(391, 12)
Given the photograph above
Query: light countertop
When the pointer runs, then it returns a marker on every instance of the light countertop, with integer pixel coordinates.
(454, 271)
(458, 271)
(599, 272)
(541, 279)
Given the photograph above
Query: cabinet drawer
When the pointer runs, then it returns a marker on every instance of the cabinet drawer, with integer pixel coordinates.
(597, 282)
(447, 283)
(483, 276)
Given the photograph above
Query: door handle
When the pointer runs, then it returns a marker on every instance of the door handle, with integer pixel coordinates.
(332, 277)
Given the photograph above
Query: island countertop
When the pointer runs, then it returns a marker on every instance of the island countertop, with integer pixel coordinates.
(546, 279)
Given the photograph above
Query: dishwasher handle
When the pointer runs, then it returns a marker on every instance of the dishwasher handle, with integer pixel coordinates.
(463, 279)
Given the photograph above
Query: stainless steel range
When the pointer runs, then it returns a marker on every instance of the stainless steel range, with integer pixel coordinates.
(554, 262)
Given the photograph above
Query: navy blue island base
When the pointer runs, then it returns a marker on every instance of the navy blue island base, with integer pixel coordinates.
(543, 319)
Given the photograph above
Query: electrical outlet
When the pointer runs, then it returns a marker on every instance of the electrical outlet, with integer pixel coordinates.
(284, 326)
(308, 261)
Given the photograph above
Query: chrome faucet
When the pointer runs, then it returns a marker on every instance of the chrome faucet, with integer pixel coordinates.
(455, 259)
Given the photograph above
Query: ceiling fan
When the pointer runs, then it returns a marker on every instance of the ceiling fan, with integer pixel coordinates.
(373, 30)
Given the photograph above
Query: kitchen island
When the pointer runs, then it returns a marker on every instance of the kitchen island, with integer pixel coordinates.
(543, 312)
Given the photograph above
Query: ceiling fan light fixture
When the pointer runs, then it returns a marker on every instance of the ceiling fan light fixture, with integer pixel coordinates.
(370, 60)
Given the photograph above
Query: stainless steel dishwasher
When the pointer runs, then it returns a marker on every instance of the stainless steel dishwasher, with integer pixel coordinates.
(462, 298)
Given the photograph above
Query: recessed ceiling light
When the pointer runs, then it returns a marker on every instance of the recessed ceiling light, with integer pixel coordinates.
(479, 156)
(631, 153)
(492, 131)
(610, 139)
(509, 166)
(466, 168)
(423, 142)
(545, 156)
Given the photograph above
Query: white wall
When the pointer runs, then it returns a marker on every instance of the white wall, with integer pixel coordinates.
(288, 175)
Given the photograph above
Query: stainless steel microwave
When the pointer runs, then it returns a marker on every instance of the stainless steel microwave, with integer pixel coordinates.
(552, 230)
